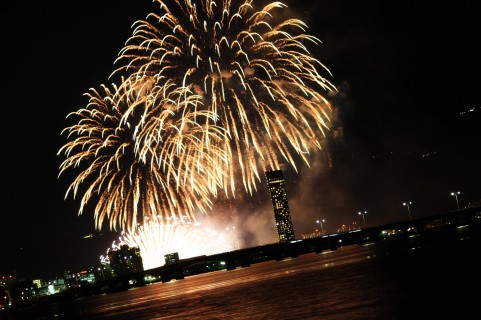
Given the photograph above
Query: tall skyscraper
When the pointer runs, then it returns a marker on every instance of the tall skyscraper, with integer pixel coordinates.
(282, 215)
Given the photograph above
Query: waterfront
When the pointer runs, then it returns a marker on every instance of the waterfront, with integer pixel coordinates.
(404, 279)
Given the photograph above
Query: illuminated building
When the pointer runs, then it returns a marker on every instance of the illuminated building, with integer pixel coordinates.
(277, 190)
(125, 260)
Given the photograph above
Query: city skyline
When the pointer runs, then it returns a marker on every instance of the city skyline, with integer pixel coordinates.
(406, 121)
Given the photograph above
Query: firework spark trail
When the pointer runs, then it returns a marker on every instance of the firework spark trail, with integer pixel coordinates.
(211, 90)
(155, 240)
(251, 70)
(128, 186)
(188, 154)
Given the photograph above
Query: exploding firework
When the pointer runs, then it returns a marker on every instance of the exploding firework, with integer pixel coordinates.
(213, 92)
(131, 185)
(155, 240)
(250, 69)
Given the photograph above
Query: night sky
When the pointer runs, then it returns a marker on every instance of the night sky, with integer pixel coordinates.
(406, 125)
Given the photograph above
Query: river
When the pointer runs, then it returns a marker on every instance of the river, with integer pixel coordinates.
(370, 281)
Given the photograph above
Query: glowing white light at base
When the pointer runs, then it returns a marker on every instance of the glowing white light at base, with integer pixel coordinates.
(155, 240)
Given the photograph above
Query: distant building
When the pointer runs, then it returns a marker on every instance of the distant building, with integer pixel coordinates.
(125, 260)
(171, 258)
(103, 271)
(6, 296)
(39, 283)
(56, 285)
(19, 291)
(85, 276)
(282, 215)
(5, 280)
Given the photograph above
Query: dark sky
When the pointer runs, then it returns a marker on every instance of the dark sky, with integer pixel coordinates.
(407, 75)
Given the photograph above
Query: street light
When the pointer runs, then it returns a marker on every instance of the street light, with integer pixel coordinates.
(455, 194)
(407, 204)
(234, 237)
(322, 227)
(363, 218)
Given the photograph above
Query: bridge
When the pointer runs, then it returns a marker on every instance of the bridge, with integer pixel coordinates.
(440, 229)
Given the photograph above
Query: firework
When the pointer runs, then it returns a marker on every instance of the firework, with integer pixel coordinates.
(251, 70)
(130, 185)
(155, 240)
(212, 92)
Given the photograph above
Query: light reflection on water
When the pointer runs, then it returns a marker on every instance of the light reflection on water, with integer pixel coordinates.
(353, 282)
